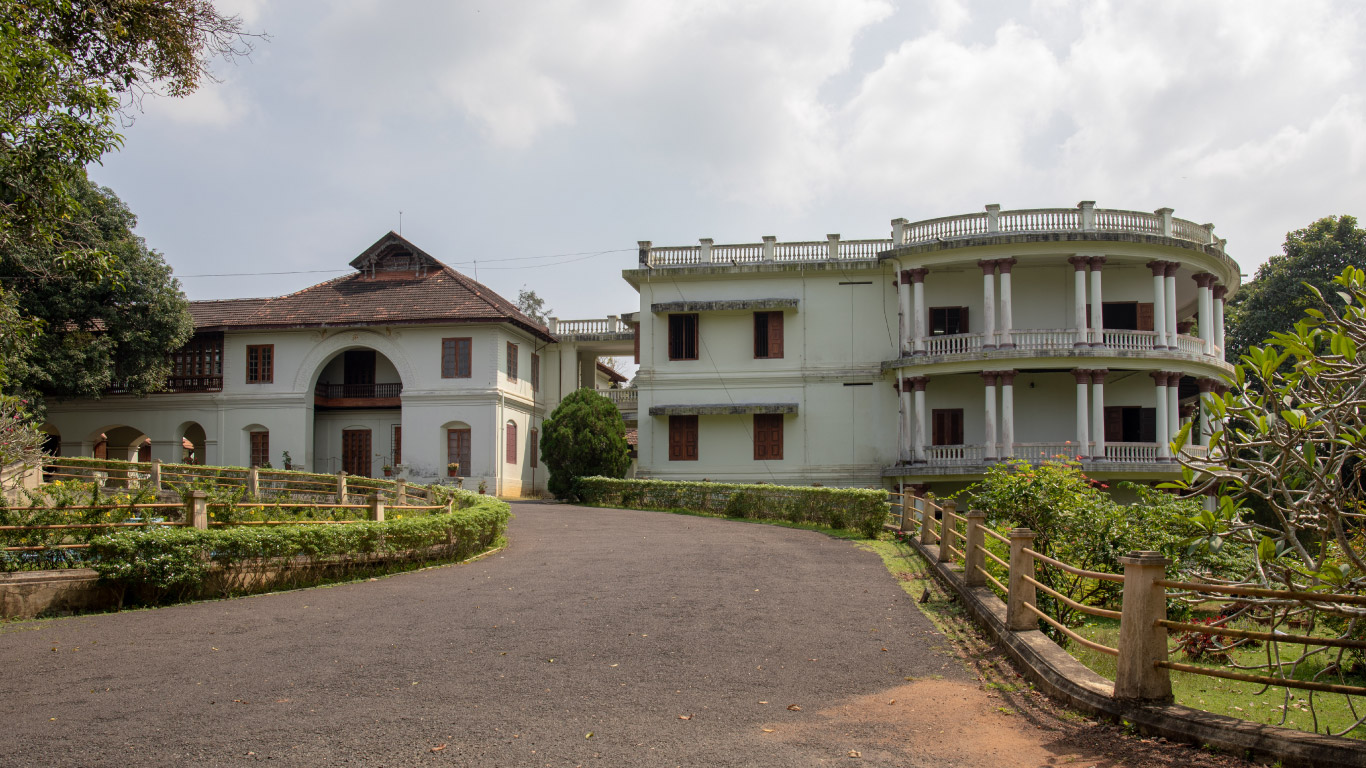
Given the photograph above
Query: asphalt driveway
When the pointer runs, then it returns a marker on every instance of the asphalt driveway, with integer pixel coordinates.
(598, 637)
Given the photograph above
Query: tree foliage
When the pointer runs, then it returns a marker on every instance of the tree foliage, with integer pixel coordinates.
(1277, 297)
(532, 306)
(584, 437)
(116, 331)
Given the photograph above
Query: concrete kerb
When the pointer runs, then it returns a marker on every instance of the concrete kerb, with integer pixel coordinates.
(1058, 674)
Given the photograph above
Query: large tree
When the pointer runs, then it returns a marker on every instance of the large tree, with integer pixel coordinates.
(585, 436)
(1277, 297)
(115, 331)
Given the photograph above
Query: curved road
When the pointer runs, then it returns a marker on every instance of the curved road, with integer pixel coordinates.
(609, 622)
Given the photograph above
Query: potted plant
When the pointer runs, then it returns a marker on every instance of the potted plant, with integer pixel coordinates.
(289, 463)
(453, 469)
(388, 470)
(483, 486)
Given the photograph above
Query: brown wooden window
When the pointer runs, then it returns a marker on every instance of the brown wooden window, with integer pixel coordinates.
(455, 358)
(683, 437)
(768, 335)
(511, 452)
(768, 436)
(635, 341)
(1130, 424)
(948, 426)
(260, 448)
(1124, 315)
(946, 321)
(198, 366)
(535, 372)
(683, 337)
(260, 363)
(512, 361)
(396, 446)
(533, 447)
(458, 450)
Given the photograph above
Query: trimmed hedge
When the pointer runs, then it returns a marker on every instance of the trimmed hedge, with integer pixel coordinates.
(162, 564)
(862, 509)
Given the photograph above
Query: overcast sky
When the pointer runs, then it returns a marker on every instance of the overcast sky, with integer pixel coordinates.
(528, 128)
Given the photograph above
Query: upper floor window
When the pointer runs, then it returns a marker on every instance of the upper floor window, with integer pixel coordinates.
(455, 358)
(260, 363)
(1124, 315)
(535, 373)
(768, 335)
(947, 425)
(683, 337)
(946, 321)
(512, 361)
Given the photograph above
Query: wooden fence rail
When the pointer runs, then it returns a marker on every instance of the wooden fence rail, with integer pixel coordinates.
(1143, 668)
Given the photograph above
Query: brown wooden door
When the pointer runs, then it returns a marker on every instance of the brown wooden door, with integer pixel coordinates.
(682, 438)
(356, 452)
(458, 450)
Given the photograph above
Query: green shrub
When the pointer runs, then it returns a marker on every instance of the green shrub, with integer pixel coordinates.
(160, 564)
(584, 436)
(864, 510)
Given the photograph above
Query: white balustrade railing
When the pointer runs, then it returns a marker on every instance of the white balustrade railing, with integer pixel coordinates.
(1131, 452)
(1133, 341)
(1191, 345)
(1196, 451)
(959, 454)
(1048, 338)
(957, 344)
(624, 398)
(1080, 219)
(594, 325)
(1037, 453)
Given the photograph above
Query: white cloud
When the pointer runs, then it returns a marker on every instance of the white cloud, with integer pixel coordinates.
(215, 105)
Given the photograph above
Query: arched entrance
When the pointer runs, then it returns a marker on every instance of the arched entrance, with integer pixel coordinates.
(357, 413)
(193, 442)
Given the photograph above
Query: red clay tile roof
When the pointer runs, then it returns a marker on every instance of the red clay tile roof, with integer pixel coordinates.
(611, 373)
(396, 283)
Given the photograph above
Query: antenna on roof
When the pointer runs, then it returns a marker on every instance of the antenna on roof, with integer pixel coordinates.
(400, 223)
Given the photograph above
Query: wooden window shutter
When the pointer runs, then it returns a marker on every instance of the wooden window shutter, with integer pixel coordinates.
(635, 332)
(533, 446)
(768, 436)
(775, 335)
(1114, 423)
(1145, 316)
(1147, 425)
(682, 438)
(511, 444)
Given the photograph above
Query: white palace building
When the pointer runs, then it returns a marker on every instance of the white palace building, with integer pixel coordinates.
(921, 359)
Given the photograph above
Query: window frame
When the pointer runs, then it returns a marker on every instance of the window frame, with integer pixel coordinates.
(512, 361)
(451, 357)
(957, 417)
(258, 447)
(773, 331)
(535, 372)
(964, 326)
(679, 325)
(260, 363)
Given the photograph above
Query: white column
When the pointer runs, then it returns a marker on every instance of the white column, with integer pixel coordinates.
(1097, 316)
(1206, 309)
(1203, 412)
(988, 302)
(1159, 302)
(922, 311)
(1098, 413)
(1169, 276)
(1173, 405)
(1007, 318)
(903, 294)
(919, 383)
(1079, 299)
(989, 444)
(1219, 292)
(1083, 428)
(1163, 436)
(1008, 414)
(906, 452)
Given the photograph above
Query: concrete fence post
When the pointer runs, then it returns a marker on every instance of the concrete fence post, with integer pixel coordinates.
(197, 510)
(156, 476)
(925, 530)
(254, 482)
(377, 508)
(1020, 592)
(946, 531)
(1142, 641)
(907, 518)
(973, 559)
(341, 487)
(770, 246)
(400, 491)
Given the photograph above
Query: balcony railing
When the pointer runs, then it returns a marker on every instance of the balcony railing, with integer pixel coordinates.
(625, 399)
(993, 221)
(1059, 340)
(1038, 453)
(358, 391)
(956, 344)
(591, 326)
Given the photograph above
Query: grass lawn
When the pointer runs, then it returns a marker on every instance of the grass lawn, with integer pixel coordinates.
(1248, 701)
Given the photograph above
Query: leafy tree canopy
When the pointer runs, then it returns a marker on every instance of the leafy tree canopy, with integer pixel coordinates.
(584, 436)
(532, 306)
(1276, 299)
(96, 333)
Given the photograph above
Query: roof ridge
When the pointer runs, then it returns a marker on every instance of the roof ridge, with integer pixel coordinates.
(480, 289)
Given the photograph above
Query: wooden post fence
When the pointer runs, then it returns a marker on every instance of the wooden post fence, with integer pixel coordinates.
(1019, 592)
(156, 476)
(377, 508)
(946, 531)
(197, 510)
(254, 483)
(973, 559)
(400, 491)
(1142, 641)
(926, 534)
(341, 487)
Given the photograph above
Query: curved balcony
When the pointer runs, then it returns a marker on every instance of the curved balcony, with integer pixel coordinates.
(1084, 218)
(972, 459)
(1057, 342)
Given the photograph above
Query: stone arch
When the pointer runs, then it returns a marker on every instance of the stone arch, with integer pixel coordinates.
(193, 433)
(323, 352)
